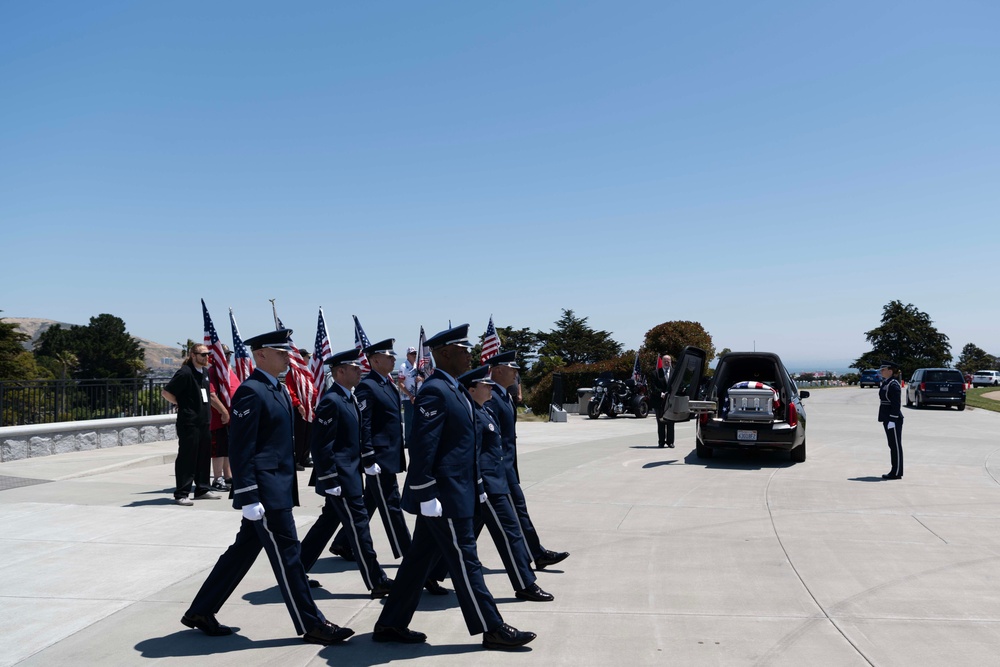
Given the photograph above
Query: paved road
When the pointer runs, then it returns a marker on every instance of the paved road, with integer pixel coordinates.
(740, 560)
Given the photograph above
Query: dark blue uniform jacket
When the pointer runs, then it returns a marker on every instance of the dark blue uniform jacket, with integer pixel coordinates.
(335, 442)
(444, 451)
(381, 422)
(261, 445)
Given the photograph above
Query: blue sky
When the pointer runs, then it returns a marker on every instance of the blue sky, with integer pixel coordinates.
(777, 171)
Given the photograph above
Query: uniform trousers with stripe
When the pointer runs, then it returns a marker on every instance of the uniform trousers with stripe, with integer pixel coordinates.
(349, 512)
(894, 437)
(382, 491)
(500, 518)
(275, 533)
(454, 541)
(531, 540)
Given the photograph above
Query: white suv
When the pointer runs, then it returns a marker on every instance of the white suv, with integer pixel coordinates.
(986, 379)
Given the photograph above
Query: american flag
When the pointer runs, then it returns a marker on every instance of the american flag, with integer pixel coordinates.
(425, 362)
(219, 370)
(299, 370)
(361, 342)
(321, 352)
(491, 343)
(636, 372)
(242, 360)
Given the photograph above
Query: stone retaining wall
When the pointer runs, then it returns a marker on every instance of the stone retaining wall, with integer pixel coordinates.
(23, 442)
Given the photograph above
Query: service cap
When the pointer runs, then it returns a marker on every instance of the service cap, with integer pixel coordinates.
(455, 336)
(279, 339)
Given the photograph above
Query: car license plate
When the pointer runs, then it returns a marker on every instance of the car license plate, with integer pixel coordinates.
(944, 388)
(746, 435)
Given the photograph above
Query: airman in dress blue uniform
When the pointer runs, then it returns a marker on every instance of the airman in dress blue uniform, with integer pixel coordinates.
(503, 369)
(262, 458)
(498, 512)
(891, 415)
(443, 488)
(338, 459)
(382, 432)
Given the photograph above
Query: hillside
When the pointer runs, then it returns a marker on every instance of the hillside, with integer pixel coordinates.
(159, 357)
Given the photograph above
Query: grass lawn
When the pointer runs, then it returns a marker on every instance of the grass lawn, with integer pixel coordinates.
(974, 398)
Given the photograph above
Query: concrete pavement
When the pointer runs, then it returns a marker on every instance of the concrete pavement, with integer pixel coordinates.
(744, 559)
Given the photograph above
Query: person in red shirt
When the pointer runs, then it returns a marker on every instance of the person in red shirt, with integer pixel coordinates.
(219, 426)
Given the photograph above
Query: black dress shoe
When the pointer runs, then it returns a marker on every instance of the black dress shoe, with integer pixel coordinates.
(535, 594)
(660, 445)
(399, 635)
(434, 588)
(550, 558)
(381, 589)
(207, 624)
(343, 552)
(670, 445)
(887, 476)
(314, 584)
(506, 637)
(327, 633)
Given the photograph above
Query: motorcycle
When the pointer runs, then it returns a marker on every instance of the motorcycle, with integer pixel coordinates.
(615, 397)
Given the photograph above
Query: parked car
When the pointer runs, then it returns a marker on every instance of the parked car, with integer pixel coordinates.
(750, 402)
(986, 379)
(936, 386)
(870, 377)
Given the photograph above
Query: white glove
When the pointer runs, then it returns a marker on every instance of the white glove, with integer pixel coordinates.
(335, 491)
(482, 497)
(373, 469)
(431, 507)
(254, 512)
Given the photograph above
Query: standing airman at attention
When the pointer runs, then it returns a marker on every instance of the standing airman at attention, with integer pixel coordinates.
(338, 461)
(891, 415)
(503, 372)
(262, 458)
(443, 489)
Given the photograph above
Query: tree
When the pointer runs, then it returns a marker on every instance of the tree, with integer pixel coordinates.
(17, 363)
(575, 342)
(907, 337)
(974, 358)
(723, 352)
(102, 349)
(674, 336)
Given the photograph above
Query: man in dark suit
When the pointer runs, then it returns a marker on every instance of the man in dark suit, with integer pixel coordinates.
(443, 488)
(891, 416)
(498, 512)
(381, 432)
(338, 459)
(660, 386)
(503, 369)
(262, 458)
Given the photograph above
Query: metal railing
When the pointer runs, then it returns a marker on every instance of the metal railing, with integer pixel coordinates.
(50, 401)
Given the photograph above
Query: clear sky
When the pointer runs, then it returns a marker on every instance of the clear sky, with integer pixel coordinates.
(777, 171)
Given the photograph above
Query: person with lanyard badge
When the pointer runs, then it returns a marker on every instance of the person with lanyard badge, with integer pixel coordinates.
(498, 512)
(443, 489)
(891, 416)
(338, 461)
(503, 368)
(189, 389)
(261, 454)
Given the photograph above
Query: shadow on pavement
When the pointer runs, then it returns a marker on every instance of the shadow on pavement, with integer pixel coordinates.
(869, 478)
(657, 464)
(191, 643)
(361, 651)
(734, 459)
(155, 502)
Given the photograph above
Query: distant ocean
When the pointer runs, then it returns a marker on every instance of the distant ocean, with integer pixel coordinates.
(837, 366)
